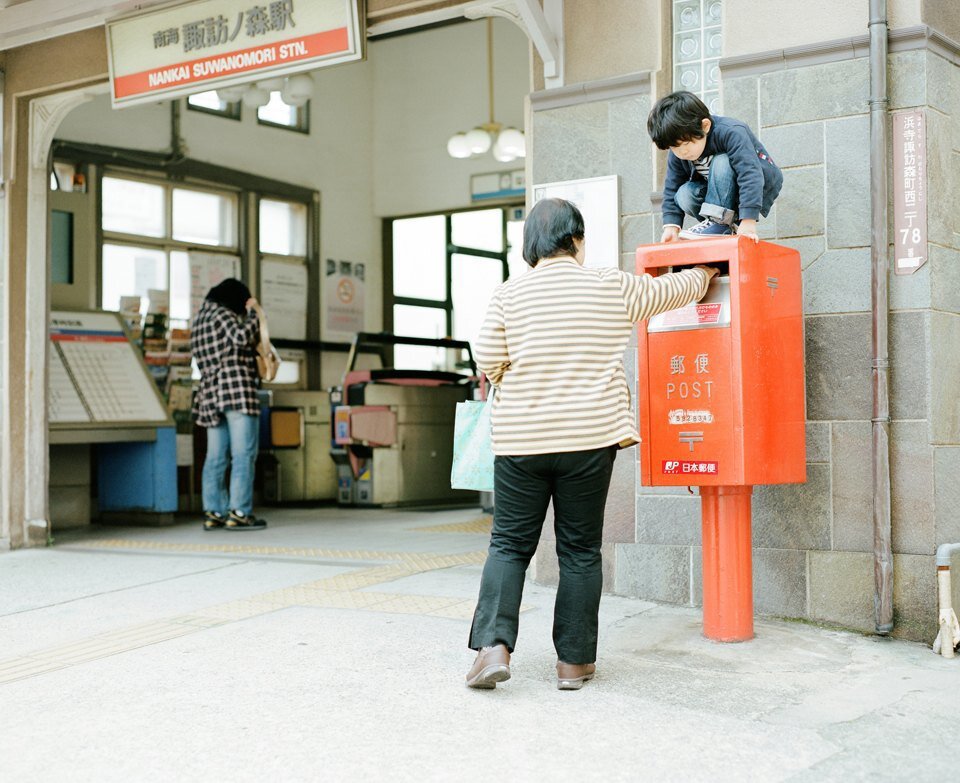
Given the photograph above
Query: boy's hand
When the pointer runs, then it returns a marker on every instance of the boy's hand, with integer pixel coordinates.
(670, 234)
(748, 228)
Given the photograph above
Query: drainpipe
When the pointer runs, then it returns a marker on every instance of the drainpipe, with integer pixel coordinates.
(882, 548)
(949, 635)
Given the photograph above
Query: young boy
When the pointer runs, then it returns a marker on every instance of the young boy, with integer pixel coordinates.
(717, 170)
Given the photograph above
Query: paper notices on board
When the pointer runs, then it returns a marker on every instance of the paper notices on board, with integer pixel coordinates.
(206, 271)
(284, 289)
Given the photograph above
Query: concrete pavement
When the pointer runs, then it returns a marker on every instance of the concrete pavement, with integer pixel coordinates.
(332, 647)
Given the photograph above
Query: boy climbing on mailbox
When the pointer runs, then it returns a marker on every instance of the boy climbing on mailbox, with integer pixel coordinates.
(717, 170)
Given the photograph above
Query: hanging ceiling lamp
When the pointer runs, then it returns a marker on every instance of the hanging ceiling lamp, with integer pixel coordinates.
(506, 144)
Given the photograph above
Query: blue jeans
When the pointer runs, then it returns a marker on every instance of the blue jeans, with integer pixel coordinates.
(716, 198)
(235, 441)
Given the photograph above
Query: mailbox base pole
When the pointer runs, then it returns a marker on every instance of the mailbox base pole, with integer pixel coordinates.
(727, 566)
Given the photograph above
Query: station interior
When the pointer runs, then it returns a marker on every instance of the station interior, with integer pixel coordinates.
(337, 201)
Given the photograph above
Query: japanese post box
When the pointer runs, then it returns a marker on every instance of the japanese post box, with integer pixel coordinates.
(721, 381)
(722, 405)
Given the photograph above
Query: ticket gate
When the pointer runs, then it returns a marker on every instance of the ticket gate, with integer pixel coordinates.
(299, 443)
(392, 438)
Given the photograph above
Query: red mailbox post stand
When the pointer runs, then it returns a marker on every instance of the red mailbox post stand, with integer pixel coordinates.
(721, 393)
(727, 564)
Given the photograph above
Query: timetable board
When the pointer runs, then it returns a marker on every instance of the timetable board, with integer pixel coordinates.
(97, 376)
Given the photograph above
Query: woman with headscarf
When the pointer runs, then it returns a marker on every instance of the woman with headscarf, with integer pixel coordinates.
(552, 345)
(224, 340)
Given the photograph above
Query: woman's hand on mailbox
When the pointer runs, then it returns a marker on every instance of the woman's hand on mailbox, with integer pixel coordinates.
(711, 271)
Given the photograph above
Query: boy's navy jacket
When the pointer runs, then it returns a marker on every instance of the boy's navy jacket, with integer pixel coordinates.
(758, 178)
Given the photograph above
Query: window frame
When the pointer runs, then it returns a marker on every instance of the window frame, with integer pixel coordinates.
(302, 125)
(234, 110)
(98, 161)
(166, 244)
(390, 299)
(294, 259)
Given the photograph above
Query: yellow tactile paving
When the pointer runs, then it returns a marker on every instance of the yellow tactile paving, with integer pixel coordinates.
(343, 591)
(481, 525)
(236, 549)
(368, 577)
(419, 561)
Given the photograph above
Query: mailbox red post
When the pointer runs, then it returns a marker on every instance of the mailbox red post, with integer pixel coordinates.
(722, 405)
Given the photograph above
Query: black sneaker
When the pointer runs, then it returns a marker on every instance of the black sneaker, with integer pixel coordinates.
(213, 521)
(240, 521)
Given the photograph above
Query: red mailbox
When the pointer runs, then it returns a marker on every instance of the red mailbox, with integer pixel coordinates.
(721, 389)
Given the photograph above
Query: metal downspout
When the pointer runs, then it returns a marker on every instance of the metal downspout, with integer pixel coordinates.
(882, 547)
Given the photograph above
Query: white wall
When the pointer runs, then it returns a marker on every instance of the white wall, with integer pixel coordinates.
(749, 26)
(333, 158)
(427, 87)
(377, 142)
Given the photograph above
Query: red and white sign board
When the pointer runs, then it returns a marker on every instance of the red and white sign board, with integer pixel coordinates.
(208, 44)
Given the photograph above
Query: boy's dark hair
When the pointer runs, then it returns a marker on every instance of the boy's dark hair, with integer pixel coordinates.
(550, 229)
(676, 118)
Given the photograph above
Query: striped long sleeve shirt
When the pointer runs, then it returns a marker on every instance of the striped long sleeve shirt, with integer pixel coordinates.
(553, 342)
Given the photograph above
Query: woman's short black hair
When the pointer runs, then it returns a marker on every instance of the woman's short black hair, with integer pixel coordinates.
(676, 118)
(550, 229)
(232, 294)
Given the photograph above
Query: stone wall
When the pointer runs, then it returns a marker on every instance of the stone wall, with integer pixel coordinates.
(813, 542)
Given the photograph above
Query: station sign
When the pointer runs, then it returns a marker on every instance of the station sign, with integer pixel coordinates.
(209, 44)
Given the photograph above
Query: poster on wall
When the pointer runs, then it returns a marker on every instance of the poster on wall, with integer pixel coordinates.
(283, 294)
(206, 271)
(210, 44)
(344, 284)
(598, 199)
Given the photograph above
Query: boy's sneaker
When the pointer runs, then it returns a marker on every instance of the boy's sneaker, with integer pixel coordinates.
(240, 521)
(213, 521)
(707, 229)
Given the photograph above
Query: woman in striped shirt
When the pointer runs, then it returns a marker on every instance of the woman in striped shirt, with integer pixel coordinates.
(553, 343)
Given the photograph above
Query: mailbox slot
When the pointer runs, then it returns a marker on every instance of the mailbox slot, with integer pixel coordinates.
(711, 312)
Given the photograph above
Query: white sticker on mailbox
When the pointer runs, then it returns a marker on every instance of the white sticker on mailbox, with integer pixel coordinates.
(712, 311)
(682, 416)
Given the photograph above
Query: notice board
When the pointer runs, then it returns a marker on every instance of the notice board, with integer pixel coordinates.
(97, 376)
(598, 200)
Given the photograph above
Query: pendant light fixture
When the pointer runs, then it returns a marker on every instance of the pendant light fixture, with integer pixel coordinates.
(506, 144)
(294, 90)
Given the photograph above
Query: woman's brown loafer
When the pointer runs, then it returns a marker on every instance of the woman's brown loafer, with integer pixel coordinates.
(572, 676)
